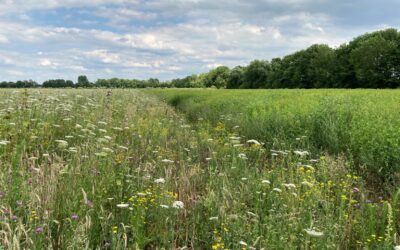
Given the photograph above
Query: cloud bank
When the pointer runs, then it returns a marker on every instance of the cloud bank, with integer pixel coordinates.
(42, 39)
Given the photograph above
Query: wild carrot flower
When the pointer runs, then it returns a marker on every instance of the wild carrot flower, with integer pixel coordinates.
(242, 156)
(265, 182)
(122, 205)
(253, 142)
(159, 180)
(301, 153)
(243, 243)
(277, 190)
(178, 204)
(313, 233)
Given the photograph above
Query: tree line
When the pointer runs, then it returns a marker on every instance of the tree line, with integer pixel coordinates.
(371, 60)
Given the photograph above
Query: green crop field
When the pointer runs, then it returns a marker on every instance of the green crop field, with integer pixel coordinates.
(271, 169)
(364, 125)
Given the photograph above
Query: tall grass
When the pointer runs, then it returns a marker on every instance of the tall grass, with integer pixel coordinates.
(83, 170)
(362, 124)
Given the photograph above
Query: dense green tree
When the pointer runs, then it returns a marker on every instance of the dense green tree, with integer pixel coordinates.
(83, 82)
(376, 59)
(256, 74)
(217, 77)
(236, 78)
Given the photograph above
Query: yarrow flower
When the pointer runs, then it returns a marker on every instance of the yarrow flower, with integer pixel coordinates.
(253, 142)
(62, 144)
(265, 182)
(277, 190)
(122, 205)
(159, 180)
(243, 243)
(167, 161)
(178, 204)
(301, 153)
(242, 156)
(313, 233)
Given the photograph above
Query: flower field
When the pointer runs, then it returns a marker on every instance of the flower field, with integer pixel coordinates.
(85, 169)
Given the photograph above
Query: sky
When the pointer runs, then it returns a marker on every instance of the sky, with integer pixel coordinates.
(166, 39)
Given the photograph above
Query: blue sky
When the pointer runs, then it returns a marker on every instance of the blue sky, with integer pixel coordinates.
(47, 39)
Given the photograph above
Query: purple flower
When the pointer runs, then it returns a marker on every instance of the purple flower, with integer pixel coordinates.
(356, 190)
(74, 217)
(2, 194)
(368, 201)
(14, 217)
(39, 230)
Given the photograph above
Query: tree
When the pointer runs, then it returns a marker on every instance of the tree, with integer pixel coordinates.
(217, 77)
(376, 59)
(235, 78)
(256, 75)
(83, 82)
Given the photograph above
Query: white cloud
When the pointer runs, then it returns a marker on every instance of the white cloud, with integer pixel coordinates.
(3, 39)
(168, 38)
(104, 56)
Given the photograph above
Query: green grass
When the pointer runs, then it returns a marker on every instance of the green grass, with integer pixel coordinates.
(80, 170)
(362, 124)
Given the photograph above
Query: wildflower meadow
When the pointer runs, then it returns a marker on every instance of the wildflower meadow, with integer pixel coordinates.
(122, 169)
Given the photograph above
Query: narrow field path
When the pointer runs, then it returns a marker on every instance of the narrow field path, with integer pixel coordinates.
(80, 169)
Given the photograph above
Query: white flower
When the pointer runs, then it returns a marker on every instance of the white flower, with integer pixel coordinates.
(251, 214)
(4, 142)
(242, 156)
(253, 142)
(244, 179)
(122, 147)
(122, 205)
(73, 150)
(62, 144)
(265, 182)
(108, 150)
(277, 190)
(159, 180)
(313, 233)
(178, 204)
(301, 153)
(167, 161)
(397, 247)
(289, 185)
(243, 243)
